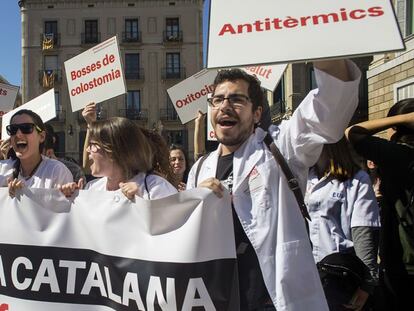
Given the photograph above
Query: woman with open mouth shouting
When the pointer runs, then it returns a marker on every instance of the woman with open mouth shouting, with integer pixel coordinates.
(27, 167)
(121, 156)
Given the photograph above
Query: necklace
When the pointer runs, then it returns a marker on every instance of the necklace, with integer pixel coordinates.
(32, 172)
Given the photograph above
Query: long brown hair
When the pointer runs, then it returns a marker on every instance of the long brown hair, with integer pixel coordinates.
(342, 165)
(161, 160)
(124, 141)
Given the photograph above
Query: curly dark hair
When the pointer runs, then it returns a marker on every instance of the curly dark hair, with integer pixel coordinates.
(256, 94)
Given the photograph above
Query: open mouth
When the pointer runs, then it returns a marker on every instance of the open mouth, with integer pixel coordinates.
(21, 145)
(227, 123)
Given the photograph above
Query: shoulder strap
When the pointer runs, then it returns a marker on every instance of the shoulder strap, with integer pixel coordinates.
(202, 159)
(146, 184)
(291, 179)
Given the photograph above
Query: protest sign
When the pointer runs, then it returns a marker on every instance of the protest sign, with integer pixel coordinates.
(44, 105)
(8, 94)
(211, 135)
(268, 75)
(176, 253)
(190, 95)
(95, 75)
(280, 31)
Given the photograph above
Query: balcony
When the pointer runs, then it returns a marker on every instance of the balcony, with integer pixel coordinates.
(168, 115)
(90, 38)
(60, 116)
(134, 114)
(173, 73)
(131, 37)
(102, 114)
(50, 78)
(134, 74)
(49, 41)
(172, 36)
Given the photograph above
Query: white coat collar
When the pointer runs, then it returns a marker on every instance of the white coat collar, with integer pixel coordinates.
(245, 158)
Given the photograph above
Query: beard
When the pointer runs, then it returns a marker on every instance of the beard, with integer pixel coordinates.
(238, 139)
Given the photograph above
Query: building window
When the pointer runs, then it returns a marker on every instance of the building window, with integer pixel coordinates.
(132, 70)
(177, 137)
(131, 33)
(50, 73)
(50, 34)
(172, 29)
(91, 34)
(173, 66)
(409, 29)
(133, 101)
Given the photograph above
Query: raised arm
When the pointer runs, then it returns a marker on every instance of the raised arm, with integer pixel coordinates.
(335, 68)
(89, 114)
(199, 137)
(359, 131)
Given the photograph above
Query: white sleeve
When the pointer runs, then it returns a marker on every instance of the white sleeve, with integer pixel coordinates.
(60, 175)
(361, 196)
(159, 187)
(321, 118)
(191, 175)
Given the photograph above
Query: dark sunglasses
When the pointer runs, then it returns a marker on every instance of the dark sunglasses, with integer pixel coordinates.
(25, 128)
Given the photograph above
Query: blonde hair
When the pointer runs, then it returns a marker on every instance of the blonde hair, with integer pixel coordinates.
(125, 143)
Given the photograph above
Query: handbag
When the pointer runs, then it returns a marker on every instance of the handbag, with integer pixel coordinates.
(341, 274)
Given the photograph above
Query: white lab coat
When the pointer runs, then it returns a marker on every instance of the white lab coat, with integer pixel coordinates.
(337, 206)
(265, 205)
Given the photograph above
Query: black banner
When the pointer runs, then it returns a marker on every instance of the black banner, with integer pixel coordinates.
(81, 276)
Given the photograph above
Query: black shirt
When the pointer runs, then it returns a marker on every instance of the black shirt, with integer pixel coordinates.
(253, 292)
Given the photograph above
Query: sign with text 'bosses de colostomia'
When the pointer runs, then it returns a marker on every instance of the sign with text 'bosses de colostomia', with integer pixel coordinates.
(280, 31)
(95, 75)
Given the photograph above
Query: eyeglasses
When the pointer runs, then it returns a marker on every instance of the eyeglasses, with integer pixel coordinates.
(237, 101)
(25, 128)
(93, 147)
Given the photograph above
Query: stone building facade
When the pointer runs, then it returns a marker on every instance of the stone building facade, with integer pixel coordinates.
(160, 45)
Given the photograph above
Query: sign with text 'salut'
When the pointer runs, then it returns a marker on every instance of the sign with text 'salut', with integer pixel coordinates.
(44, 105)
(280, 31)
(268, 75)
(8, 95)
(95, 75)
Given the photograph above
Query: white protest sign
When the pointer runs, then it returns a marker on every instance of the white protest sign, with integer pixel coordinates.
(211, 135)
(8, 94)
(281, 31)
(268, 75)
(43, 105)
(95, 75)
(190, 96)
(175, 253)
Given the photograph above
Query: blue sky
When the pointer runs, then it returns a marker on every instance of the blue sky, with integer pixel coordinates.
(10, 47)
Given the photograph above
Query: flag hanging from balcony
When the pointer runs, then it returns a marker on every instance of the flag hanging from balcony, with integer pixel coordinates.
(47, 41)
(48, 78)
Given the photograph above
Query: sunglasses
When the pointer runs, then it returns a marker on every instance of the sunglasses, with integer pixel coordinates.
(25, 128)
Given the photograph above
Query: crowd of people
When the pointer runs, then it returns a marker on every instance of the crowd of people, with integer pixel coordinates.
(285, 262)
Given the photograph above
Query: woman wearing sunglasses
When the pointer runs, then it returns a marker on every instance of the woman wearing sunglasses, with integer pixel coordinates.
(122, 156)
(27, 166)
